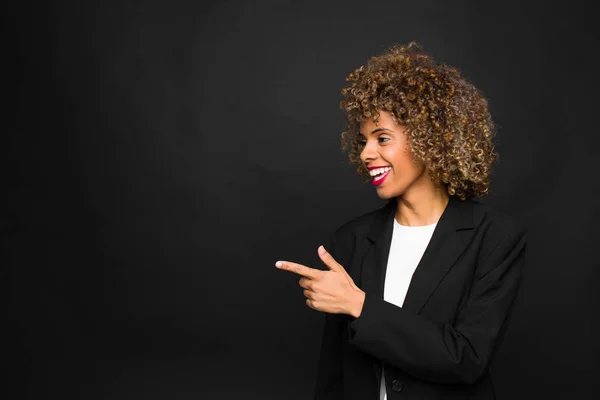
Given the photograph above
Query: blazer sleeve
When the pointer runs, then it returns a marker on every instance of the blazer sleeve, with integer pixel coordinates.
(459, 352)
(329, 385)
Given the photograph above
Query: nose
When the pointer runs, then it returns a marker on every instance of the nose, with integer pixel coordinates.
(368, 153)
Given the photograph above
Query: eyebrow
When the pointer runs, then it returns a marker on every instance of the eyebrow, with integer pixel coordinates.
(377, 130)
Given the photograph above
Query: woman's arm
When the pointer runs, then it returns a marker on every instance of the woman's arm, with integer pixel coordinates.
(329, 373)
(329, 384)
(447, 353)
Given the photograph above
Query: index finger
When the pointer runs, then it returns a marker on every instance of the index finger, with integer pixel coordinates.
(299, 269)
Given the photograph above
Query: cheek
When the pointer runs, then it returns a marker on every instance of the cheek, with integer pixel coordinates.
(405, 167)
(403, 159)
(409, 159)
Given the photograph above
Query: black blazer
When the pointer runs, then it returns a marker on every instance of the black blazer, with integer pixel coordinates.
(440, 343)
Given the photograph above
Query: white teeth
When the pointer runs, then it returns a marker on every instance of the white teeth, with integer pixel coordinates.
(378, 171)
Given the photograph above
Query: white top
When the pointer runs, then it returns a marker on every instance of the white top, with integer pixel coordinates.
(407, 248)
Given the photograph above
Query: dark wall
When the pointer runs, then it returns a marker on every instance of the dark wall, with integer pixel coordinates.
(161, 156)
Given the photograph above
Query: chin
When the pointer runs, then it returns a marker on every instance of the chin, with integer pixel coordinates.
(386, 194)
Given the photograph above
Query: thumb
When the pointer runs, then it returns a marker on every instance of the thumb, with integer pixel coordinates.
(333, 265)
(329, 261)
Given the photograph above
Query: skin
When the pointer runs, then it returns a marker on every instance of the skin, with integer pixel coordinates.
(420, 202)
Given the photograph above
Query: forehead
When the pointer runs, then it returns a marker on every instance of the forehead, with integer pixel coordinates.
(384, 122)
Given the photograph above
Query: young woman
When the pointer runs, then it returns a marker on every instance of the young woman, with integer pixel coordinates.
(417, 293)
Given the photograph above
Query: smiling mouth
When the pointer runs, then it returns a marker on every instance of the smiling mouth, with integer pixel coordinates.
(378, 173)
(379, 178)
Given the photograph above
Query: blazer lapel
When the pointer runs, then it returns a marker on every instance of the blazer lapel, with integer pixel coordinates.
(375, 260)
(448, 241)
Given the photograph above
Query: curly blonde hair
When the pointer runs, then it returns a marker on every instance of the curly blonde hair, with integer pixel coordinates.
(448, 125)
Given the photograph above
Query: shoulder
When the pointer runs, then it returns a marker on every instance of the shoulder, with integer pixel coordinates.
(362, 223)
(499, 231)
(350, 236)
(496, 221)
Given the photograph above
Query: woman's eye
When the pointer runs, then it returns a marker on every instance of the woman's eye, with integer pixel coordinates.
(364, 142)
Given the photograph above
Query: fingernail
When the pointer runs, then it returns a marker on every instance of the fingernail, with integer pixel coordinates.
(321, 250)
(278, 264)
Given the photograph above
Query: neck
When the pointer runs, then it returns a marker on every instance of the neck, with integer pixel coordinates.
(421, 207)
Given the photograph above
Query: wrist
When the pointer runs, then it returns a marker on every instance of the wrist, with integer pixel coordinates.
(358, 303)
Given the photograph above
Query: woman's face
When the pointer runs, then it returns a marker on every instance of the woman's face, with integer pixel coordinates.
(386, 152)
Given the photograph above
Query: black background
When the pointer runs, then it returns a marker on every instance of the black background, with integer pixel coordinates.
(161, 156)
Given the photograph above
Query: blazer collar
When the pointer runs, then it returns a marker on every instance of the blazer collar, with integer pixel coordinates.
(449, 239)
(457, 215)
